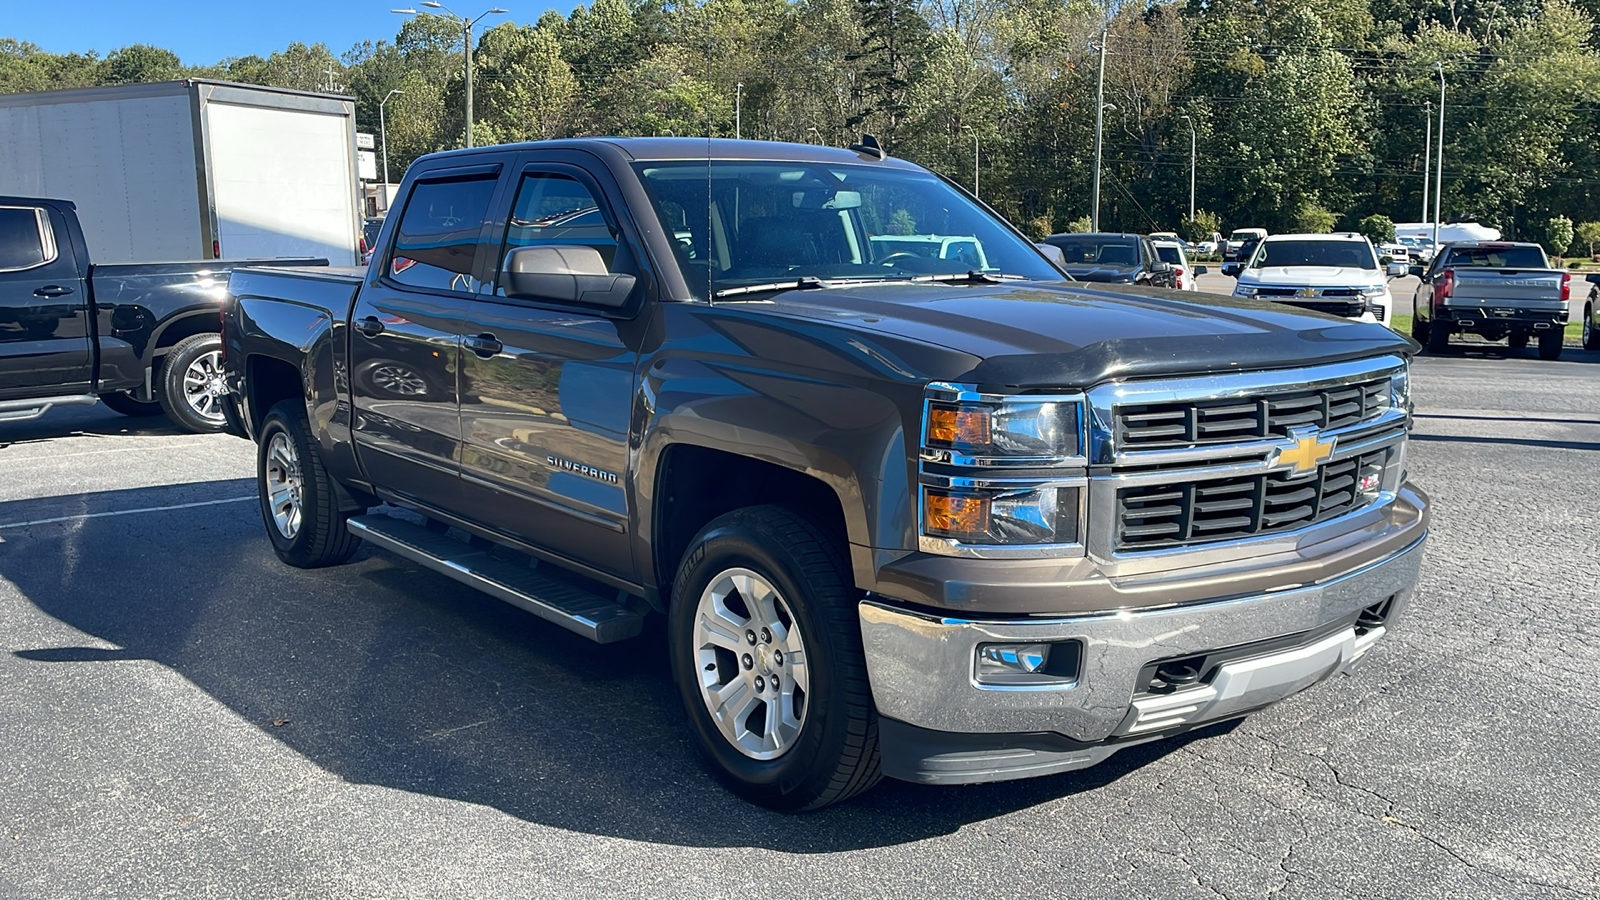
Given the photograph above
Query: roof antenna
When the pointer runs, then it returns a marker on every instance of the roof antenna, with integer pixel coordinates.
(869, 147)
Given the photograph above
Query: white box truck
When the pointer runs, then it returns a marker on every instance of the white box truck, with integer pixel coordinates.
(191, 169)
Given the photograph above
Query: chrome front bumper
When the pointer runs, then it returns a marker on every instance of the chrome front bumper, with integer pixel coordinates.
(922, 666)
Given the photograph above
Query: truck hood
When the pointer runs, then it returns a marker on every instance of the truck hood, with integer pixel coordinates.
(1312, 276)
(1070, 334)
(1102, 273)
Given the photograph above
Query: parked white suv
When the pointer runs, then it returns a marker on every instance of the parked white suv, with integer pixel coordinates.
(1172, 252)
(1331, 273)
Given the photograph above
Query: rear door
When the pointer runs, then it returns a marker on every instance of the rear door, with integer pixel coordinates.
(546, 389)
(405, 344)
(44, 321)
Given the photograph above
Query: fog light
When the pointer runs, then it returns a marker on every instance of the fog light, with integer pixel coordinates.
(1053, 664)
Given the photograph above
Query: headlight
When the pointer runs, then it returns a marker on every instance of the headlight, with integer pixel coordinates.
(1243, 291)
(1375, 292)
(974, 429)
(1400, 388)
(998, 514)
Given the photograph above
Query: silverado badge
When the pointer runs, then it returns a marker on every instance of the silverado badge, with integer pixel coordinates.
(1305, 453)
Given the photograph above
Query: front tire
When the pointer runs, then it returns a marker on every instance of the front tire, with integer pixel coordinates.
(299, 502)
(1438, 338)
(124, 403)
(1550, 344)
(191, 384)
(1419, 330)
(765, 641)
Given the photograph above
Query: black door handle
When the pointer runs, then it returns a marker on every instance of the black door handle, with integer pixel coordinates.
(484, 345)
(370, 326)
(52, 290)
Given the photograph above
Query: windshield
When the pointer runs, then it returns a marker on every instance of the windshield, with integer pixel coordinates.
(1243, 235)
(1498, 257)
(1330, 254)
(772, 222)
(1169, 254)
(1087, 250)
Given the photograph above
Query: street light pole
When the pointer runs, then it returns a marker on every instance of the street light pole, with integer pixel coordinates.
(1099, 118)
(383, 136)
(1191, 166)
(974, 157)
(738, 107)
(1427, 156)
(1438, 176)
(466, 30)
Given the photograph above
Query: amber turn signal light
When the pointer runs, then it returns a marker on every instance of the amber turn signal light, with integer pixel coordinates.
(958, 426)
(954, 515)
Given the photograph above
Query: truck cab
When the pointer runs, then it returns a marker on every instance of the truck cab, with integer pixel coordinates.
(901, 514)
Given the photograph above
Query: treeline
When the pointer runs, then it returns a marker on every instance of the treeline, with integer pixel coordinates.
(1305, 114)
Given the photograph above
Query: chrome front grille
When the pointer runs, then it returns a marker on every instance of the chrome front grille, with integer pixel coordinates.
(1160, 426)
(1230, 508)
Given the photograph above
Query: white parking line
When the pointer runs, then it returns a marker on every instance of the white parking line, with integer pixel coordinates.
(124, 512)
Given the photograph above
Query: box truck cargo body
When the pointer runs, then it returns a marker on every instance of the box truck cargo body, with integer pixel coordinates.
(191, 169)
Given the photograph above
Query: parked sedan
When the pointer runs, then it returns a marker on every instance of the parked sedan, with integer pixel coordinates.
(1113, 258)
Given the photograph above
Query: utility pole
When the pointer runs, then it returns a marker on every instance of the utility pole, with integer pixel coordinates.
(974, 157)
(738, 106)
(466, 29)
(1427, 157)
(1099, 121)
(1438, 175)
(1191, 166)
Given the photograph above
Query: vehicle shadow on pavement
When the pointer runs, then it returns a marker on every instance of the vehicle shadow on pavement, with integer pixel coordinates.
(387, 674)
(74, 421)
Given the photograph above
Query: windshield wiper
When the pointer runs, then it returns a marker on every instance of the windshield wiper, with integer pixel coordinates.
(971, 275)
(809, 282)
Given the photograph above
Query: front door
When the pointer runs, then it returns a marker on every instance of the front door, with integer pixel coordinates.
(405, 344)
(546, 390)
(44, 321)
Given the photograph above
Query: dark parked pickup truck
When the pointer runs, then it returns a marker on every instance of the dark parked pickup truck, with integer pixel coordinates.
(904, 514)
(142, 338)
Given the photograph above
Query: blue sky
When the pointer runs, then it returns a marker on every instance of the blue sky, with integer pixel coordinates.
(204, 31)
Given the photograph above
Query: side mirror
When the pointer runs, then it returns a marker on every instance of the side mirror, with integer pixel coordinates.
(1416, 271)
(1230, 269)
(1201, 270)
(562, 273)
(1395, 270)
(1161, 268)
(1053, 253)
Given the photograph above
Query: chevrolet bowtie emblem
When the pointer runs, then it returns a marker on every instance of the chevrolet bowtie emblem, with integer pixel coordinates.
(1306, 292)
(1305, 454)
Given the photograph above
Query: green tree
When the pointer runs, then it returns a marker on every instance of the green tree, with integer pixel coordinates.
(1557, 235)
(140, 63)
(1377, 228)
(1312, 219)
(1201, 227)
(1588, 234)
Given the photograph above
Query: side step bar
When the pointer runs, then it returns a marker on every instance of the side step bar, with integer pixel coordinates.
(23, 410)
(599, 618)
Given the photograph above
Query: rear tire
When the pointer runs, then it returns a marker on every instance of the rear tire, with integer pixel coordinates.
(1438, 338)
(1550, 344)
(191, 384)
(128, 406)
(299, 503)
(813, 740)
(1419, 330)
(1591, 334)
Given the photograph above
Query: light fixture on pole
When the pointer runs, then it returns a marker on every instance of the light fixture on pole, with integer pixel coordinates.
(1438, 175)
(1100, 106)
(1191, 166)
(974, 157)
(383, 136)
(466, 30)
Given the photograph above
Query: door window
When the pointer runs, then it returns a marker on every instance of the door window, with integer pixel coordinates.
(556, 209)
(437, 240)
(26, 240)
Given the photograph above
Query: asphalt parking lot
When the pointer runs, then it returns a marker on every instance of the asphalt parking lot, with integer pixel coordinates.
(186, 717)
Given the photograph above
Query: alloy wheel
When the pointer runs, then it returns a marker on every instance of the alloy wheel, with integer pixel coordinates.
(284, 487)
(752, 663)
(203, 386)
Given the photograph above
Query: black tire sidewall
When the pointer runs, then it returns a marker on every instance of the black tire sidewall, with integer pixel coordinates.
(791, 780)
(171, 394)
(1550, 344)
(296, 550)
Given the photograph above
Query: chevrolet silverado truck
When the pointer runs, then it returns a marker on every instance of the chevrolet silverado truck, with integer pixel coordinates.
(1498, 290)
(901, 515)
(142, 338)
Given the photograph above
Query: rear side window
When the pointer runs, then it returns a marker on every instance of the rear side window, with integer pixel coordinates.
(437, 240)
(1168, 254)
(26, 240)
(556, 209)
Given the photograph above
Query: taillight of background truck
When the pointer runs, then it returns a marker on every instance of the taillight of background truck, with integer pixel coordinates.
(1447, 282)
(216, 249)
(1566, 286)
